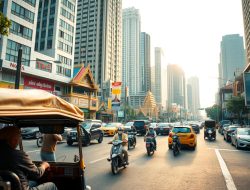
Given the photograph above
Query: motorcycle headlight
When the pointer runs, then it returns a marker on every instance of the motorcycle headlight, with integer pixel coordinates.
(209, 131)
(114, 155)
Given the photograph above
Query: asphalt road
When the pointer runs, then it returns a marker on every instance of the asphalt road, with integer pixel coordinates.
(213, 165)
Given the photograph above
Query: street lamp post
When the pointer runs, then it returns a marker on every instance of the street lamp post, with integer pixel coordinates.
(18, 68)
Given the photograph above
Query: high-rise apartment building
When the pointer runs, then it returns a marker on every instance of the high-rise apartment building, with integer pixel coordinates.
(145, 67)
(246, 16)
(160, 89)
(131, 28)
(176, 86)
(232, 58)
(55, 32)
(194, 104)
(98, 39)
(37, 26)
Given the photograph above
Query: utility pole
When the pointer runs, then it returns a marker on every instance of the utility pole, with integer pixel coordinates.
(18, 68)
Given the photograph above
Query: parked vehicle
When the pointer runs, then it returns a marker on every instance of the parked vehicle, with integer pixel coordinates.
(131, 140)
(128, 125)
(116, 157)
(221, 124)
(222, 128)
(241, 138)
(141, 126)
(195, 127)
(186, 134)
(90, 131)
(30, 133)
(150, 145)
(28, 108)
(154, 125)
(210, 130)
(111, 128)
(228, 132)
(163, 129)
(176, 145)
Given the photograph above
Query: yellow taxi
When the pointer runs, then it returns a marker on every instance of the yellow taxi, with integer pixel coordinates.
(110, 129)
(186, 135)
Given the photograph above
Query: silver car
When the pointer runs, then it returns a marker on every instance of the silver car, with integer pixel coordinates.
(241, 138)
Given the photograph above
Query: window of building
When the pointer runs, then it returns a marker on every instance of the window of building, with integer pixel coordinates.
(12, 52)
(49, 44)
(22, 12)
(51, 21)
(31, 2)
(50, 32)
(42, 45)
(21, 30)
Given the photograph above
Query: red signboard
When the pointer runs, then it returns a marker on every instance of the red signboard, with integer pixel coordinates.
(38, 84)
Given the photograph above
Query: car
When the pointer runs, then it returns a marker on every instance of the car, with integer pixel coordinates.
(90, 131)
(141, 126)
(228, 132)
(186, 134)
(241, 138)
(128, 125)
(154, 125)
(222, 128)
(221, 124)
(162, 128)
(30, 133)
(111, 128)
(195, 127)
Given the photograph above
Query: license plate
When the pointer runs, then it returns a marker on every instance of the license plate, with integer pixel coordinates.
(73, 138)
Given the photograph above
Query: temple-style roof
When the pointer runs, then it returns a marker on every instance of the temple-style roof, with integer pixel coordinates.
(83, 77)
(149, 107)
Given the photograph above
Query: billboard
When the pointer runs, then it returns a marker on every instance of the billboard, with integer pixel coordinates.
(116, 95)
(246, 79)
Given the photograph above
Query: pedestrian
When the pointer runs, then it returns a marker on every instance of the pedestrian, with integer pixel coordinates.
(49, 147)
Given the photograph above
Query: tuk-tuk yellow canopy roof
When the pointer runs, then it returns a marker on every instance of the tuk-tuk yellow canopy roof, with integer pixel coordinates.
(32, 102)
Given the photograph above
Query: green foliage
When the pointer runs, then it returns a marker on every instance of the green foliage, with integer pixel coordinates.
(236, 105)
(5, 24)
(214, 112)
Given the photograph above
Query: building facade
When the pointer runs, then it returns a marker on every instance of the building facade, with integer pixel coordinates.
(145, 66)
(176, 87)
(194, 107)
(232, 58)
(246, 16)
(98, 40)
(160, 90)
(131, 28)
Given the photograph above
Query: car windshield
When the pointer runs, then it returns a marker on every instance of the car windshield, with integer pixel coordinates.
(112, 125)
(232, 128)
(129, 124)
(139, 123)
(86, 125)
(244, 131)
(163, 125)
(181, 130)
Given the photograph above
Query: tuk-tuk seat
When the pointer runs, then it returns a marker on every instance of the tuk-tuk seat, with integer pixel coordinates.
(12, 178)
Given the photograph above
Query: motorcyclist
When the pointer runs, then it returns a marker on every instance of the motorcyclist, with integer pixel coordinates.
(120, 135)
(151, 133)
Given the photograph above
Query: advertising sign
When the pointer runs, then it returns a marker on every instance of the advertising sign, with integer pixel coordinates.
(121, 113)
(116, 95)
(38, 84)
(246, 79)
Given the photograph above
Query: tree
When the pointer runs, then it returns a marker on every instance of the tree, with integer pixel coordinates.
(214, 112)
(5, 24)
(236, 105)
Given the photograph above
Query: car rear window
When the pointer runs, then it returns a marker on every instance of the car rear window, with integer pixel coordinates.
(181, 130)
(139, 123)
(244, 131)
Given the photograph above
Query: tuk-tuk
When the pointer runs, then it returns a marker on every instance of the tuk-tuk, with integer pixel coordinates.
(210, 129)
(27, 108)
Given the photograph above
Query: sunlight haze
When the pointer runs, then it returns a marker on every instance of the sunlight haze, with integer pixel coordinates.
(190, 33)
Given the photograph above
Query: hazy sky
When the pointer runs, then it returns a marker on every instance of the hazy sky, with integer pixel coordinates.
(190, 32)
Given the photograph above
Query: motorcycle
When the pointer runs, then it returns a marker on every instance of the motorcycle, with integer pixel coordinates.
(116, 156)
(176, 145)
(210, 134)
(131, 140)
(150, 146)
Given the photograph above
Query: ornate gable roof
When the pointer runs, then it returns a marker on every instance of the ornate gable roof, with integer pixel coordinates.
(84, 77)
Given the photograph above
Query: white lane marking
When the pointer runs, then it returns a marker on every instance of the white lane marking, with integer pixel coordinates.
(223, 149)
(100, 159)
(32, 151)
(228, 178)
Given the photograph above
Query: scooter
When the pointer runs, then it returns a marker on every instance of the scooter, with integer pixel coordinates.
(176, 145)
(39, 141)
(150, 146)
(131, 140)
(116, 157)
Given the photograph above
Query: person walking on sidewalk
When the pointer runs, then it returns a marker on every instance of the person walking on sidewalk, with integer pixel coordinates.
(49, 147)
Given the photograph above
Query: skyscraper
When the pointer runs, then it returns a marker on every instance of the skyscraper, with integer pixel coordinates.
(232, 58)
(176, 86)
(131, 28)
(145, 68)
(193, 82)
(246, 16)
(160, 89)
(98, 40)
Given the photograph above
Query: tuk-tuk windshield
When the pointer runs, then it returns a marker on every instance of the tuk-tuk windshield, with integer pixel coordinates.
(210, 124)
